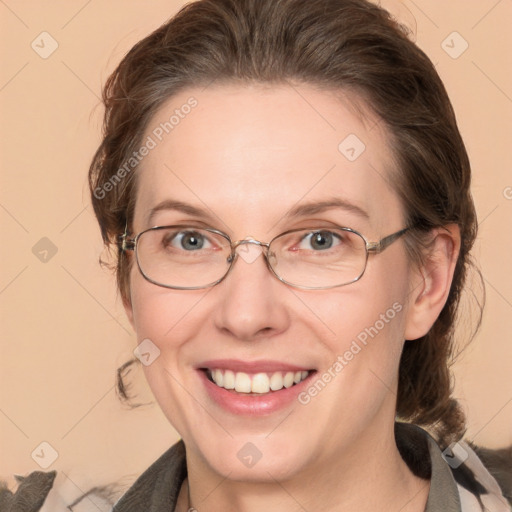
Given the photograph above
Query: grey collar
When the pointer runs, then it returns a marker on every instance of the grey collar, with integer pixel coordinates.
(444, 494)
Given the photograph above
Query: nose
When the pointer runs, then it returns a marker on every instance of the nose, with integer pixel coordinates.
(251, 301)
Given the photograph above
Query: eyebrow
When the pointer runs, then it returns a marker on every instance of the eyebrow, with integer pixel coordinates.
(301, 210)
(180, 206)
(314, 207)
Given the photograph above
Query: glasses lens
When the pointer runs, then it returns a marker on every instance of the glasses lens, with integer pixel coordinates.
(319, 258)
(182, 256)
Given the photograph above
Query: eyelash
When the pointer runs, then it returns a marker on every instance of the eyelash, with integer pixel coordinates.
(178, 235)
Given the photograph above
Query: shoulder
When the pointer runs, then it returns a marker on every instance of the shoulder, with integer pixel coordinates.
(478, 487)
(459, 480)
(31, 493)
(158, 487)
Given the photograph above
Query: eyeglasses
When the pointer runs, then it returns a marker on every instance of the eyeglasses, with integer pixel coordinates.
(185, 257)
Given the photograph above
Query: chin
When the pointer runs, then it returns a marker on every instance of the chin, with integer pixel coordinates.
(253, 458)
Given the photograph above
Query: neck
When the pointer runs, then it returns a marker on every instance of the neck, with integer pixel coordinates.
(369, 475)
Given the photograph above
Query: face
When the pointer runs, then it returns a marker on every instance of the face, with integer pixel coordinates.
(246, 156)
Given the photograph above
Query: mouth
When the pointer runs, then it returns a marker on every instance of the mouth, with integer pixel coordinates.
(253, 388)
(259, 383)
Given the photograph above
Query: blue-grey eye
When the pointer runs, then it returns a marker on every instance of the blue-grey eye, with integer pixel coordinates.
(320, 240)
(189, 240)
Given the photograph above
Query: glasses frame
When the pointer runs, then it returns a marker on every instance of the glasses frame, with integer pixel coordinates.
(130, 244)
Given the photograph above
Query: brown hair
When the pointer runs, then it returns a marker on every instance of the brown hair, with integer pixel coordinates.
(349, 45)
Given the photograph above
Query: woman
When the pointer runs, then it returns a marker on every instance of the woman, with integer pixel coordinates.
(289, 194)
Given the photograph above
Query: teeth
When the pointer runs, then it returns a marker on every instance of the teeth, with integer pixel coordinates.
(242, 383)
(256, 383)
(229, 380)
(260, 383)
(288, 379)
(218, 377)
(276, 381)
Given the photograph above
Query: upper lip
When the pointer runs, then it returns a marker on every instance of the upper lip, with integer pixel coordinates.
(237, 365)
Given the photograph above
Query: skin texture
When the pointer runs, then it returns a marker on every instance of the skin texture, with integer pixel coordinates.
(247, 155)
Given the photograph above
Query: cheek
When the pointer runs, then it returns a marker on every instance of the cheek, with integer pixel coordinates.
(169, 319)
(365, 333)
(365, 325)
(365, 321)
(377, 301)
(165, 316)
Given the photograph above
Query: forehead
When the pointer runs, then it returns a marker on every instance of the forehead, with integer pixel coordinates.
(250, 154)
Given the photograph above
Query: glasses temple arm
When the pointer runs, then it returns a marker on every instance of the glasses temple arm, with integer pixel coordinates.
(377, 247)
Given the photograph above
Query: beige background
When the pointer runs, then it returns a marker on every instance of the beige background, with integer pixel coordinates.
(63, 331)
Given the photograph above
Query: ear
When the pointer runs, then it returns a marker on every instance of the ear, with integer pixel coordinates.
(432, 287)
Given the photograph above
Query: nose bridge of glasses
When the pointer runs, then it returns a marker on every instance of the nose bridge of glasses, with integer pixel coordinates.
(248, 240)
(249, 248)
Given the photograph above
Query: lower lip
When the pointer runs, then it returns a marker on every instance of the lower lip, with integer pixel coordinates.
(253, 404)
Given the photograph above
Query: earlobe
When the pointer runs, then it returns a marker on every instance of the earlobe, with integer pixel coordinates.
(435, 278)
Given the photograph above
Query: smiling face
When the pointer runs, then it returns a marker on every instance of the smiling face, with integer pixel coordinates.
(248, 157)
